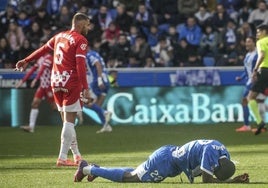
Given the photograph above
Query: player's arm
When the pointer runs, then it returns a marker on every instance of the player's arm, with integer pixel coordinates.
(207, 178)
(27, 76)
(22, 64)
(261, 55)
(99, 72)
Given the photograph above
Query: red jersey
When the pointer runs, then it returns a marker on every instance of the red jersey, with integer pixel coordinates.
(68, 46)
(45, 64)
(69, 61)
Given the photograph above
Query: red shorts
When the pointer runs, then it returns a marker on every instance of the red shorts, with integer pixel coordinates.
(68, 100)
(44, 93)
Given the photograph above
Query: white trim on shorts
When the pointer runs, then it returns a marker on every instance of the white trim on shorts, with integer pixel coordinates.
(75, 107)
(139, 171)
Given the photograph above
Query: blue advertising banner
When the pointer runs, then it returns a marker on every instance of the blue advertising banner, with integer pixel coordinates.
(135, 77)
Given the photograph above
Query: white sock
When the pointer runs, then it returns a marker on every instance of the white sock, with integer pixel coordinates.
(87, 170)
(33, 116)
(67, 133)
(74, 146)
(262, 110)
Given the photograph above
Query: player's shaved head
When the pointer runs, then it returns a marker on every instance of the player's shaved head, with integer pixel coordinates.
(81, 23)
(79, 17)
(225, 170)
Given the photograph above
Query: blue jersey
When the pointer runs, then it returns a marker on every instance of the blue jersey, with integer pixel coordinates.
(92, 58)
(249, 64)
(191, 158)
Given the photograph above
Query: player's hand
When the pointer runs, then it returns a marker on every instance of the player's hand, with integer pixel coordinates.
(85, 97)
(244, 178)
(254, 76)
(238, 78)
(19, 84)
(33, 83)
(21, 65)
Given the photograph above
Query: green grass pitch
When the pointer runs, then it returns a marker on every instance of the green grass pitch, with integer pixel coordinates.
(28, 160)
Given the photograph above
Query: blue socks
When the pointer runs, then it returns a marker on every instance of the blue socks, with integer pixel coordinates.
(246, 115)
(113, 174)
(99, 111)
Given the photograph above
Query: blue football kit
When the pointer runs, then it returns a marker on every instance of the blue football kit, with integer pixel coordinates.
(92, 58)
(191, 158)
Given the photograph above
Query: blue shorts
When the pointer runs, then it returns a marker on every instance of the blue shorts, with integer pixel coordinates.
(158, 166)
(97, 91)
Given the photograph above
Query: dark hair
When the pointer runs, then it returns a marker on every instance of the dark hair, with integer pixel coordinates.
(252, 38)
(263, 27)
(225, 170)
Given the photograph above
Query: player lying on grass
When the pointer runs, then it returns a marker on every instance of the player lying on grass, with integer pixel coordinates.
(206, 158)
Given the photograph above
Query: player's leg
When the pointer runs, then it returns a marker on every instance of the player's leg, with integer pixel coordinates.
(113, 174)
(246, 113)
(107, 114)
(39, 94)
(258, 87)
(253, 105)
(69, 104)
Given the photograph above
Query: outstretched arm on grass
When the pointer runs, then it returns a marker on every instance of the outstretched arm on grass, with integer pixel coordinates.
(207, 178)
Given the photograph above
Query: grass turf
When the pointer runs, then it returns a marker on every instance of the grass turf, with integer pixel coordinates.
(28, 160)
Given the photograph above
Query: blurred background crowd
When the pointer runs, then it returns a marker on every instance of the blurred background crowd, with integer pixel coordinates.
(138, 33)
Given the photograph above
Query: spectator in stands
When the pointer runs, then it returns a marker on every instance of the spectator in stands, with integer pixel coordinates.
(181, 53)
(191, 32)
(133, 61)
(163, 53)
(152, 35)
(8, 16)
(166, 13)
(149, 62)
(229, 34)
(143, 18)
(103, 18)
(141, 49)
(43, 18)
(15, 36)
(133, 33)
(259, 15)
(188, 7)
(111, 34)
(46, 33)
(34, 35)
(121, 50)
(242, 33)
(219, 18)
(209, 42)
(5, 55)
(202, 16)
(193, 60)
(25, 49)
(63, 18)
(102, 48)
(232, 7)
(173, 36)
(243, 14)
(122, 19)
(24, 21)
(53, 7)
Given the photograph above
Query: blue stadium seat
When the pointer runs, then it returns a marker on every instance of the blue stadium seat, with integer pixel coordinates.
(209, 61)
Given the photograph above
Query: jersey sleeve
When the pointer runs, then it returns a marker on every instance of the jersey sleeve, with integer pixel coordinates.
(81, 50)
(210, 160)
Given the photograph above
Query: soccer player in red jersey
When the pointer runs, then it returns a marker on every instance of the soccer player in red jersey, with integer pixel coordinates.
(44, 64)
(68, 79)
